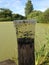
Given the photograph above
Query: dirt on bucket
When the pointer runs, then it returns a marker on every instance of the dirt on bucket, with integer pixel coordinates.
(8, 62)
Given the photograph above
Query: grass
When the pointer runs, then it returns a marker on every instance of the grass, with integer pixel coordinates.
(41, 40)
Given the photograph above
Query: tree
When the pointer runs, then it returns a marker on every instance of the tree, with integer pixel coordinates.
(46, 15)
(34, 14)
(28, 8)
(1, 12)
(5, 14)
(18, 17)
(44, 18)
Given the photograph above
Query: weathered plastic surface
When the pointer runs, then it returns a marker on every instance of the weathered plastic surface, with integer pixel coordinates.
(25, 28)
(25, 31)
(8, 42)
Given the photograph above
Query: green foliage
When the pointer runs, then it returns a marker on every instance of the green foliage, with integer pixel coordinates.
(41, 17)
(5, 19)
(46, 16)
(34, 15)
(28, 8)
(6, 15)
(18, 17)
(41, 56)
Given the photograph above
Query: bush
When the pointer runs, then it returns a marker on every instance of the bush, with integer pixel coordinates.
(18, 17)
(6, 19)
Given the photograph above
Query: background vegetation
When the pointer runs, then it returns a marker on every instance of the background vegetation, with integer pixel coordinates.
(7, 15)
(42, 44)
(37, 15)
(30, 13)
